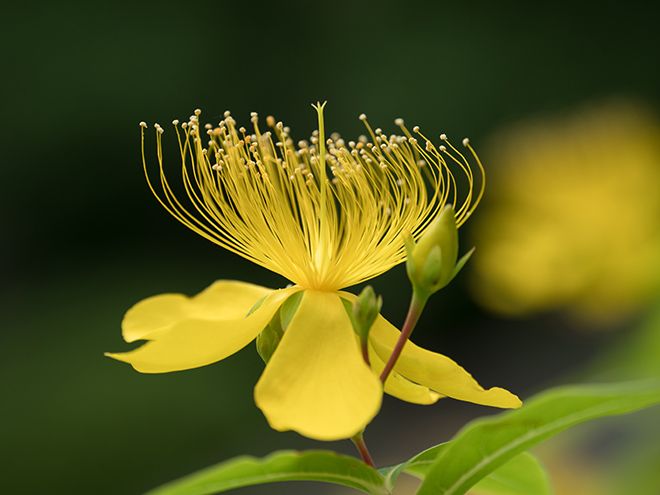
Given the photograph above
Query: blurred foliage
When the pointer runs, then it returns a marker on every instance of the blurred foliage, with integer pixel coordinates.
(573, 218)
(621, 459)
(83, 239)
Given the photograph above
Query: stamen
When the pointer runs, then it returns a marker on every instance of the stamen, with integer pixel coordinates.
(269, 199)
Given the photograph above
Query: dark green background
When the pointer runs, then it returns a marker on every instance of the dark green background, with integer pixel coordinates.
(83, 239)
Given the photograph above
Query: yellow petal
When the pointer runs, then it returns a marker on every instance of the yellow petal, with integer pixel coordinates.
(154, 315)
(436, 371)
(226, 299)
(400, 387)
(317, 383)
(230, 298)
(195, 341)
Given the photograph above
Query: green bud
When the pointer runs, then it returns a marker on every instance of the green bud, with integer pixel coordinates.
(432, 262)
(364, 312)
(269, 338)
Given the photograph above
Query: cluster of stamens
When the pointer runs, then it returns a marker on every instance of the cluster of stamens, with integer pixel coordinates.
(300, 208)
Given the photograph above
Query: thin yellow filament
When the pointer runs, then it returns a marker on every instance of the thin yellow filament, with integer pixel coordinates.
(325, 214)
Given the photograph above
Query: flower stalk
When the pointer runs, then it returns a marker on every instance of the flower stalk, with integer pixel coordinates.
(361, 445)
(417, 304)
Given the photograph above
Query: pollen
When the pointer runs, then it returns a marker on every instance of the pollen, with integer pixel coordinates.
(323, 214)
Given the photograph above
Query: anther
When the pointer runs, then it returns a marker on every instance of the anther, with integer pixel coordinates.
(175, 122)
(362, 116)
(443, 148)
(466, 141)
(398, 121)
(416, 128)
(197, 112)
(143, 124)
(443, 136)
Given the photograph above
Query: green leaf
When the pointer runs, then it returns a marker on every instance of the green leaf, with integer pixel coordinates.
(416, 466)
(522, 475)
(244, 471)
(484, 445)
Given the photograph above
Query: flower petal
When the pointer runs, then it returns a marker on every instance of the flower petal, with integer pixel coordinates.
(229, 298)
(317, 383)
(224, 299)
(436, 371)
(400, 387)
(154, 315)
(195, 342)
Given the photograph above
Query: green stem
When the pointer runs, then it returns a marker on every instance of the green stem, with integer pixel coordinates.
(417, 304)
(360, 444)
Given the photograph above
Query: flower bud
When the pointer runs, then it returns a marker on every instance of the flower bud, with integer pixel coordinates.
(432, 262)
(364, 312)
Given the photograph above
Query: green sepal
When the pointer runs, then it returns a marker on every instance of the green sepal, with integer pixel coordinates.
(409, 244)
(289, 308)
(256, 305)
(461, 263)
(270, 337)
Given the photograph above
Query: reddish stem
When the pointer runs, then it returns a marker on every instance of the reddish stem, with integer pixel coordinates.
(364, 346)
(414, 312)
(358, 441)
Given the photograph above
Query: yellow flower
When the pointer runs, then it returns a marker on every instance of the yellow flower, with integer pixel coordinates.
(573, 218)
(326, 215)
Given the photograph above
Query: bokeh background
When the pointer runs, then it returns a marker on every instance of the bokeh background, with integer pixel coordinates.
(83, 240)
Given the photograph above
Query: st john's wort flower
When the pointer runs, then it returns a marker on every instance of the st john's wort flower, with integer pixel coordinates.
(325, 214)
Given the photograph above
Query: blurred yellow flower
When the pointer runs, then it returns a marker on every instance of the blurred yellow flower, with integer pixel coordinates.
(573, 215)
(258, 195)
